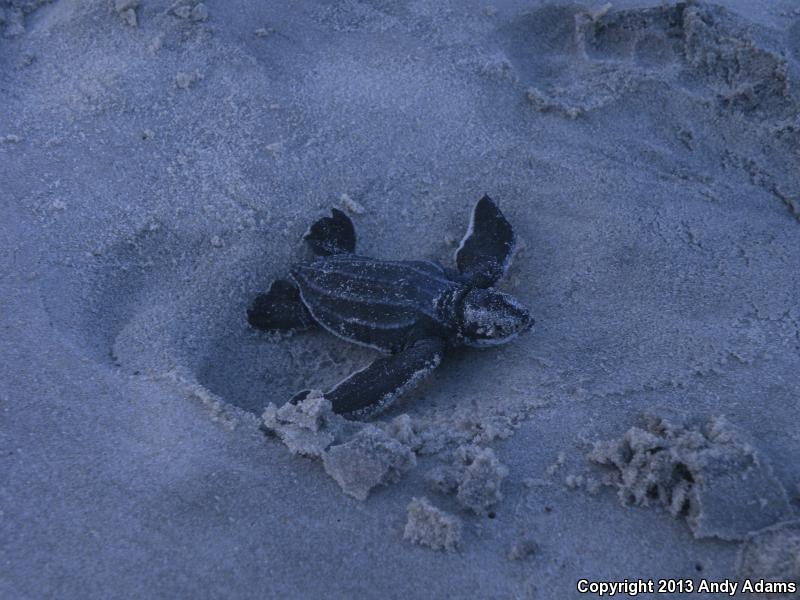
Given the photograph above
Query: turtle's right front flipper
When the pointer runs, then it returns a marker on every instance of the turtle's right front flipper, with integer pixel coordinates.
(370, 390)
(280, 309)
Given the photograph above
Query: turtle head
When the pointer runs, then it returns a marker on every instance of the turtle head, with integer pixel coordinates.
(488, 317)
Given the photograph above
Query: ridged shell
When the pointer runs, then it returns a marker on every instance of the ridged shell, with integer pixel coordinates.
(373, 302)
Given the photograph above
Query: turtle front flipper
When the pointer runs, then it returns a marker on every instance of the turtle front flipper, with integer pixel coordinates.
(485, 252)
(370, 390)
(280, 309)
(332, 235)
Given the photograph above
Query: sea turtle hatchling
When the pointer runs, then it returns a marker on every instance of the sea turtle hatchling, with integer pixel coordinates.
(410, 310)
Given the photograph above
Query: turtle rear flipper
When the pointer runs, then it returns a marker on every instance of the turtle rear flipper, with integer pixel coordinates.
(332, 235)
(485, 252)
(370, 390)
(280, 309)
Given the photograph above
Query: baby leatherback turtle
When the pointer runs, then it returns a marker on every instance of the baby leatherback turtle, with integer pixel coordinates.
(411, 310)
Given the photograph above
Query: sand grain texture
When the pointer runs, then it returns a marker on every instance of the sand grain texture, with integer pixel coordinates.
(159, 164)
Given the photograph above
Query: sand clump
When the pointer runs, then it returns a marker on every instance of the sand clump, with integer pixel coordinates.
(369, 459)
(432, 436)
(708, 475)
(475, 477)
(358, 456)
(362, 456)
(429, 526)
(190, 11)
(307, 428)
(773, 555)
(126, 10)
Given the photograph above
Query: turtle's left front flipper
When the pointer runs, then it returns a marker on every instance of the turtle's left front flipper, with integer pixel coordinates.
(485, 252)
(332, 235)
(370, 390)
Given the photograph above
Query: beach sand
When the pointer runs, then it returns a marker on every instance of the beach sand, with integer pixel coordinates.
(159, 164)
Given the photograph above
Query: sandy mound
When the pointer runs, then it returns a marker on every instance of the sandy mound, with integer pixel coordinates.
(770, 557)
(432, 527)
(711, 476)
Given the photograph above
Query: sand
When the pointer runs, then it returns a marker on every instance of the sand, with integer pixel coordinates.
(769, 557)
(431, 527)
(159, 163)
(709, 474)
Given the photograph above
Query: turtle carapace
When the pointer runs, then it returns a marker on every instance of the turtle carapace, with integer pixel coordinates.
(412, 311)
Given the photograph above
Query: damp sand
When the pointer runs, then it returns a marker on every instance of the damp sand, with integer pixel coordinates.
(159, 163)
